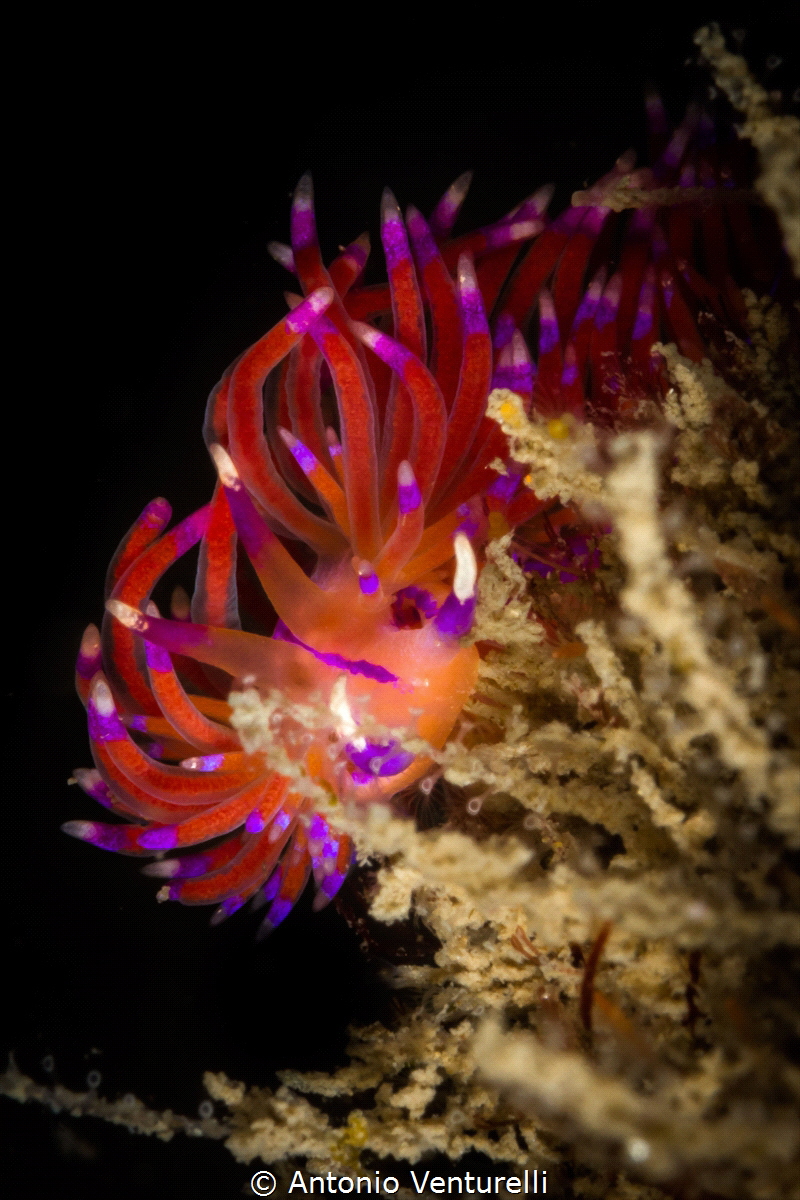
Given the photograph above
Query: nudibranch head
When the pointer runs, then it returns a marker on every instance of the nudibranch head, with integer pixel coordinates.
(359, 474)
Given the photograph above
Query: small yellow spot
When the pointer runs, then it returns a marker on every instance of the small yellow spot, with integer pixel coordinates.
(357, 1130)
(558, 428)
(507, 410)
(498, 525)
(345, 1147)
(528, 481)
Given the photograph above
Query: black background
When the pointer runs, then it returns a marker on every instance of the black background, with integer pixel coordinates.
(150, 169)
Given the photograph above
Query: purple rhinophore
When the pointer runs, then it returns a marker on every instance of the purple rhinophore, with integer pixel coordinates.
(360, 666)
(102, 793)
(282, 820)
(165, 838)
(279, 910)
(608, 304)
(675, 149)
(303, 456)
(443, 217)
(570, 372)
(424, 246)
(270, 888)
(89, 781)
(303, 228)
(548, 324)
(111, 837)
(591, 298)
(472, 311)
(455, 616)
(302, 224)
(191, 865)
(104, 727)
(308, 315)
(255, 823)
(157, 513)
(204, 762)
(176, 636)
(330, 848)
(393, 353)
(231, 904)
(504, 233)
(317, 827)
(504, 486)
(645, 313)
(249, 526)
(644, 318)
(409, 497)
(514, 368)
(394, 765)
(331, 884)
(361, 777)
(594, 220)
(503, 331)
(87, 665)
(357, 254)
(380, 758)
(369, 584)
(157, 657)
(570, 219)
(190, 531)
(395, 242)
(515, 377)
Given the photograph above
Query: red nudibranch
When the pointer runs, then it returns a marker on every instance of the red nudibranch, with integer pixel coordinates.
(373, 448)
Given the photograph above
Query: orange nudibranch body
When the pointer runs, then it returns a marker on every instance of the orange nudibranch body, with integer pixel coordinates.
(370, 455)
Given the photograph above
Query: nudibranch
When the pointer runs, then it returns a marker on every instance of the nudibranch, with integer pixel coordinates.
(360, 476)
